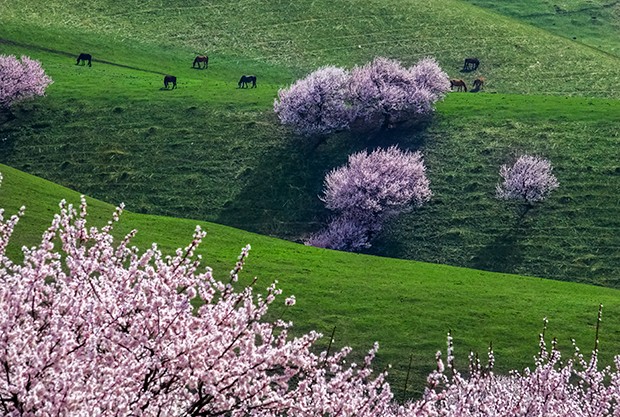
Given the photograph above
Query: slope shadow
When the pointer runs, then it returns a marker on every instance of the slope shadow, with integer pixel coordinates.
(281, 196)
(505, 252)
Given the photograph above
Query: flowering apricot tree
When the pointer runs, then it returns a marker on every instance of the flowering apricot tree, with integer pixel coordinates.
(529, 180)
(384, 93)
(317, 104)
(93, 327)
(379, 94)
(369, 189)
(20, 80)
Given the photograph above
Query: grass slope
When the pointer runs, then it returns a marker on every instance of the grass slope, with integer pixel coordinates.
(592, 22)
(407, 306)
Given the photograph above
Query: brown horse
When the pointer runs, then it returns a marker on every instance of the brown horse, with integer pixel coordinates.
(170, 79)
(470, 64)
(247, 79)
(478, 83)
(199, 59)
(85, 57)
(459, 84)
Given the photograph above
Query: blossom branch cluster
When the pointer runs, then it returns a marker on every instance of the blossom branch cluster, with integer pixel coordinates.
(92, 327)
(380, 94)
(20, 80)
(371, 188)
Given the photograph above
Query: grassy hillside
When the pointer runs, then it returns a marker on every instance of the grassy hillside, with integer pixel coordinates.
(595, 23)
(210, 151)
(407, 306)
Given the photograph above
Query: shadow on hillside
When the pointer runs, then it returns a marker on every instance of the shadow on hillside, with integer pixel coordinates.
(505, 252)
(281, 193)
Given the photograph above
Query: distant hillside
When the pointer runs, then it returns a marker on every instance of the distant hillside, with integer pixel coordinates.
(595, 23)
(408, 307)
(302, 35)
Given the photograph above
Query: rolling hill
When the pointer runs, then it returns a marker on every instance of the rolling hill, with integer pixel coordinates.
(408, 307)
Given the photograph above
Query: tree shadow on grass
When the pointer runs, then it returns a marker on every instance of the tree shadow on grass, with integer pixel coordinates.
(281, 195)
(505, 252)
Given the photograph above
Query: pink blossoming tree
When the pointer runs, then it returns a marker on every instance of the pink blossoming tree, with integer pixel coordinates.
(93, 327)
(20, 80)
(529, 180)
(380, 94)
(369, 189)
(384, 93)
(317, 104)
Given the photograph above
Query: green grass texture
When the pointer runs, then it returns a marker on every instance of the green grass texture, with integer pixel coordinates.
(407, 306)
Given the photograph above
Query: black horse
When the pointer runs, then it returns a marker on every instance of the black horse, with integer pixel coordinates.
(84, 57)
(170, 79)
(247, 79)
(470, 64)
(199, 59)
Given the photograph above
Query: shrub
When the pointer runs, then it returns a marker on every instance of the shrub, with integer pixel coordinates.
(20, 80)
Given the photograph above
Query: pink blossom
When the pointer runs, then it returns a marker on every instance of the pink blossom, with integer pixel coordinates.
(20, 80)
(529, 179)
(317, 104)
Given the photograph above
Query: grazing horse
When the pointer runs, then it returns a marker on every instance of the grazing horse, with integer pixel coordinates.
(459, 84)
(478, 83)
(199, 59)
(84, 57)
(471, 64)
(247, 79)
(170, 79)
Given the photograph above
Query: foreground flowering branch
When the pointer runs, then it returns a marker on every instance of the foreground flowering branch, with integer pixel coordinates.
(92, 327)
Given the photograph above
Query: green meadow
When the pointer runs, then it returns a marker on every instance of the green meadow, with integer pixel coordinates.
(210, 152)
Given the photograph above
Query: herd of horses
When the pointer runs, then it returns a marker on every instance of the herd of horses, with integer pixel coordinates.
(470, 64)
(200, 62)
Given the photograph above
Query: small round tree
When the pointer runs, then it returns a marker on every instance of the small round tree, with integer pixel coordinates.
(369, 189)
(379, 183)
(317, 104)
(20, 80)
(529, 180)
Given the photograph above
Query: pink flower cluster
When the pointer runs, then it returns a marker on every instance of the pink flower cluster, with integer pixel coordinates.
(20, 80)
(90, 327)
(365, 192)
(379, 94)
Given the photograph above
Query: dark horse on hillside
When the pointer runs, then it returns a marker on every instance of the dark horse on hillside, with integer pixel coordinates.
(459, 84)
(470, 64)
(199, 59)
(170, 79)
(85, 57)
(247, 79)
